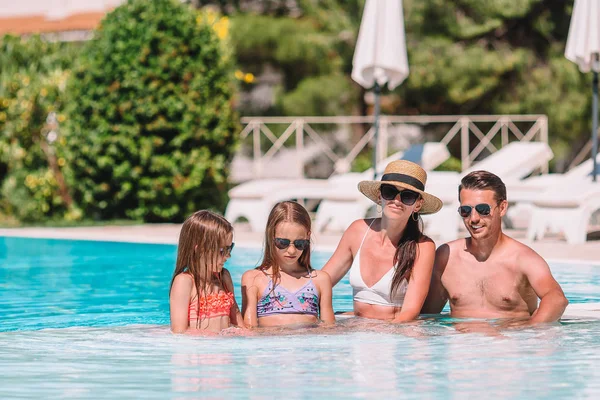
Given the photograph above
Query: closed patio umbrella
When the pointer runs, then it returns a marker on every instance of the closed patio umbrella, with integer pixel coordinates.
(380, 53)
(583, 48)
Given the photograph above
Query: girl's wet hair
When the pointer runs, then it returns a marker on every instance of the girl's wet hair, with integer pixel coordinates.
(202, 236)
(285, 211)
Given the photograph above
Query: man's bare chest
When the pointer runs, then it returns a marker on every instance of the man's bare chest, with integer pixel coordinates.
(472, 284)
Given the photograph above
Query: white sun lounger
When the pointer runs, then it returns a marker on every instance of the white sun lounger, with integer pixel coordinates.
(565, 208)
(516, 160)
(253, 200)
(560, 203)
(513, 162)
(525, 192)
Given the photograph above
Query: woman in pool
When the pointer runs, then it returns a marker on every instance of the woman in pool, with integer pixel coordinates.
(201, 295)
(389, 259)
(284, 289)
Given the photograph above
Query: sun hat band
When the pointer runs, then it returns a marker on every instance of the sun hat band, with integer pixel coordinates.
(409, 180)
(405, 175)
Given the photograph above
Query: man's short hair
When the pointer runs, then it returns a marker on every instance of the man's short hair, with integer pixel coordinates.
(484, 180)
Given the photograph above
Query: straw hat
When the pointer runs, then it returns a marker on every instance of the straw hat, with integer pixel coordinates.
(404, 175)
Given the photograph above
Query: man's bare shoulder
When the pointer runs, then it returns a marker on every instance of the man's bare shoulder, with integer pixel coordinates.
(452, 246)
(445, 254)
(523, 254)
(449, 254)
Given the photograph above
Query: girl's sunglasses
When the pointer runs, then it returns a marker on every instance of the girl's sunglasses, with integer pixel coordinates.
(226, 251)
(482, 209)
(389, 192)
(300, 244)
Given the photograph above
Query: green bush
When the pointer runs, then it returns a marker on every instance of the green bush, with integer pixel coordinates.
(151, 129)
(32, 80)
(451, 164)
(320, 95)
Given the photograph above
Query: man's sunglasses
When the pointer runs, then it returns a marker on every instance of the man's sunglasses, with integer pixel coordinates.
(482, 209)
(226, 251)
(408, 197)
(300, 244)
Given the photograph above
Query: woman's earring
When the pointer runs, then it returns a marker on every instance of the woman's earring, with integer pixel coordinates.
(415, 216)
(379, 209)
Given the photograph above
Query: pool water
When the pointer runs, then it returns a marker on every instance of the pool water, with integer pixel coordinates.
(90, 320)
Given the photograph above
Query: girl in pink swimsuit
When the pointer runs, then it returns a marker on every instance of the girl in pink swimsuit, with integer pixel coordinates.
(284, 289)
(201, 296)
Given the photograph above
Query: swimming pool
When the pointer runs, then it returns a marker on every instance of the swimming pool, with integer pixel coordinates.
(89, 320)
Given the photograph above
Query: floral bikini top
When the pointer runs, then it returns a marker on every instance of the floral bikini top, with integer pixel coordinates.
(282, 301)
(212, 305)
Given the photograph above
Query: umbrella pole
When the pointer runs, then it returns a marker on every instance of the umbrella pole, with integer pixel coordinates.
(594, 124)
(376, 136)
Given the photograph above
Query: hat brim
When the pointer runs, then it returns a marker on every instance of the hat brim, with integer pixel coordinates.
(370, 189)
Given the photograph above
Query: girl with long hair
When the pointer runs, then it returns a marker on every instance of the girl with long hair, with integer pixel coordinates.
(201, 295)
(284, 289)
(389, 258)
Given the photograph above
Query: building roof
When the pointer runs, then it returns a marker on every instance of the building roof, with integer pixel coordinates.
(24, 25)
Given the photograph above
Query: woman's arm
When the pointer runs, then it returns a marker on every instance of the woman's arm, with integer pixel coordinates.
(235, 316)
(437, 296)
(341, 260)
(323, 282)
(179, 303)
(418, 285)
(250, 297)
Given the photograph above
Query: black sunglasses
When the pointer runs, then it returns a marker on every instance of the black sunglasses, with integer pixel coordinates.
(482, 209)
(226, 251)
(408, 197)
(300, 244)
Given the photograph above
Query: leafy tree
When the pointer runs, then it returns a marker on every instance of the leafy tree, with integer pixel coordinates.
(33, 74)
(474, 57)
(465, 56)
(151, 128)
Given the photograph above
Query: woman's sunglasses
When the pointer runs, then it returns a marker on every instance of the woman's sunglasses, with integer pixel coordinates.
(226, 251)
(482, 209)
(300, 244)
(408, 197)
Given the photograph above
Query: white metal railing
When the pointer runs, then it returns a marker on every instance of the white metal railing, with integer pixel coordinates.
(584, 153)
(465, 128)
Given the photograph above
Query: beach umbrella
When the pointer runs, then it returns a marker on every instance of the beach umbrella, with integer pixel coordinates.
(380, 53)
(583, 48)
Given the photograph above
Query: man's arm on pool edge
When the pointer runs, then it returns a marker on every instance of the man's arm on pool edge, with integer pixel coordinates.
(552, 298)
(437, 295)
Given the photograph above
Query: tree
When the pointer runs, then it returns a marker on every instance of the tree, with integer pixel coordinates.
(151, 130)
(474, 57)
(465, 56)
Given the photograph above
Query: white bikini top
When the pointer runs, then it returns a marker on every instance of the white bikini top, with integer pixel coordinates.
(379, 293)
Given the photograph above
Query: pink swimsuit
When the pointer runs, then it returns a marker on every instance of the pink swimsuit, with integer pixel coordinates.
(213, 305)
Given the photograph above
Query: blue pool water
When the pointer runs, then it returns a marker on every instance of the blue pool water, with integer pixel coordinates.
(89, 320)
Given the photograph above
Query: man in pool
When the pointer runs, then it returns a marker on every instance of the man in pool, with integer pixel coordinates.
(490, 275)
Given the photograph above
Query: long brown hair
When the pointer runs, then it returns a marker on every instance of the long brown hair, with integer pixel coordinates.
(202, 236)
(406, 251)
(285, 211)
